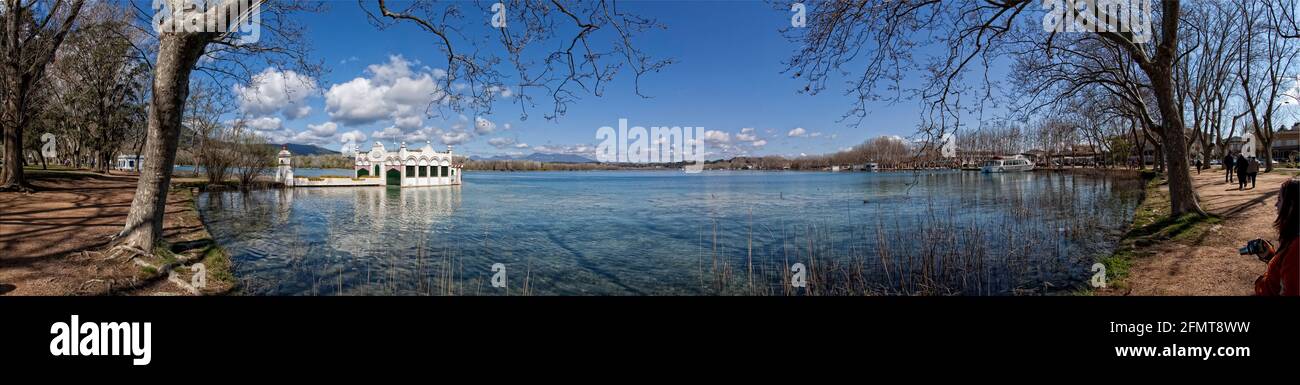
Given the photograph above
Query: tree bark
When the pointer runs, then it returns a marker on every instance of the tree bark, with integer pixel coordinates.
(14, 119)
(1182, 197)
(177, 55)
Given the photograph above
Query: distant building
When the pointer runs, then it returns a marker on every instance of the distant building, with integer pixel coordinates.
(1286, 143)
(128, 162)
(1234, 145)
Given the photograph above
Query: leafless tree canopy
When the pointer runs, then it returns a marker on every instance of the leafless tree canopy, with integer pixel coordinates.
(554, 50)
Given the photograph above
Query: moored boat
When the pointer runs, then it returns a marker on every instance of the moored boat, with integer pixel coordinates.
(1014, 164)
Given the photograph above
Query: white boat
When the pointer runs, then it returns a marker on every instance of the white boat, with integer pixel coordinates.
(1015, 164)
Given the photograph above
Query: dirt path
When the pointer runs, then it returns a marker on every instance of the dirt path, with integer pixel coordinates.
(1207, 263)
(48, 239)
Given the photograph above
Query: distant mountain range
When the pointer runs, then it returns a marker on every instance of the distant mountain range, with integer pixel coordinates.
(305, 149)
(540, 157)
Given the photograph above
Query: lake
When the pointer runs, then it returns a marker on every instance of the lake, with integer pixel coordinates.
(670, 233)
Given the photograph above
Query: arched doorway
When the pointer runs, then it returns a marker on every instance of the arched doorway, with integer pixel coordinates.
(394, 177)
(362, 173)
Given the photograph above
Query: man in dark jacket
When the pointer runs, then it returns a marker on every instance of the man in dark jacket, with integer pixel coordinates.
(1227, 165)
(1252, 170)
(1242, 170)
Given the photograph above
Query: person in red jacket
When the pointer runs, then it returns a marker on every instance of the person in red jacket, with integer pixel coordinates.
(1283, 274)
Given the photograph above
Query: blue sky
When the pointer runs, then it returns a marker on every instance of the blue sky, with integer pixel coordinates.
(727, 77)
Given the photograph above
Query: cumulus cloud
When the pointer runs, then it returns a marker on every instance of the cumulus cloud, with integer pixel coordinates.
(265, 123)
(797, 132)
(273, 91)
(501, 142)
(397, 67)
(392, 91)
(351, 141)
(758, 143)
(455, 137)
(482, 126)
(323, 130)
(389, 133)
(715, 137)
(357, 101)
(746, 135)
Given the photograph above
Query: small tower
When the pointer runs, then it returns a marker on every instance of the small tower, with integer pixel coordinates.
(284, 169)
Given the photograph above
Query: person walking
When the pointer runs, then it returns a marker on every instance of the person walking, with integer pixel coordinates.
(1227, 166)
(1242, 170)
(1252, 170)
(1198, 166)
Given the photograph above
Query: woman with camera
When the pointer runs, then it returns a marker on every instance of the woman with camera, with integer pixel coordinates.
(1283, 274)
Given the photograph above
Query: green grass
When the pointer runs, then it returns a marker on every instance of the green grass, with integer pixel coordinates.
(164, 252)
(218, 264)
(1151, 226)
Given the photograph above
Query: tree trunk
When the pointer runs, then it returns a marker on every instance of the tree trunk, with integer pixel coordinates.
(13, 178)
(1182, 197)
(177, 54)
(1267, 143)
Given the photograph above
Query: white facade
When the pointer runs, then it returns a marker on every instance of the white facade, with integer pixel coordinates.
(128, 162)
(409, 168)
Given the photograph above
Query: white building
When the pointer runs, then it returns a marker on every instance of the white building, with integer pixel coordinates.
(284, 167)
(409, 168)
(128, 162)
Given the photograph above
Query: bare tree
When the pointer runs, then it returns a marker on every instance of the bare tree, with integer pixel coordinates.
(99, 84)
(253, 154)
(214, 146)
(1266, 70)
(972, 33)
(33, 32)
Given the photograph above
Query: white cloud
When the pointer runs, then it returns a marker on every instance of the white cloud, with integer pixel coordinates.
(815, 134)
(389, 133)
(265, 123)
(482, 126)
(393, 91)
(501, 142)
(397, 67)
(351, 141)
(408, 122)
(273, 91)
(521, 145)
(746, 135)
(758, 143)
(455, 137)
(357, 101)
(797, 132)
(352, 136)
(716, 137)
(323, 130)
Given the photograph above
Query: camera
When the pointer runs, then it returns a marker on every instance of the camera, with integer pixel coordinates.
(1257, 247)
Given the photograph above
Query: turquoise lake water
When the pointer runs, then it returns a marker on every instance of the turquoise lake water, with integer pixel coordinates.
(670, 233)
